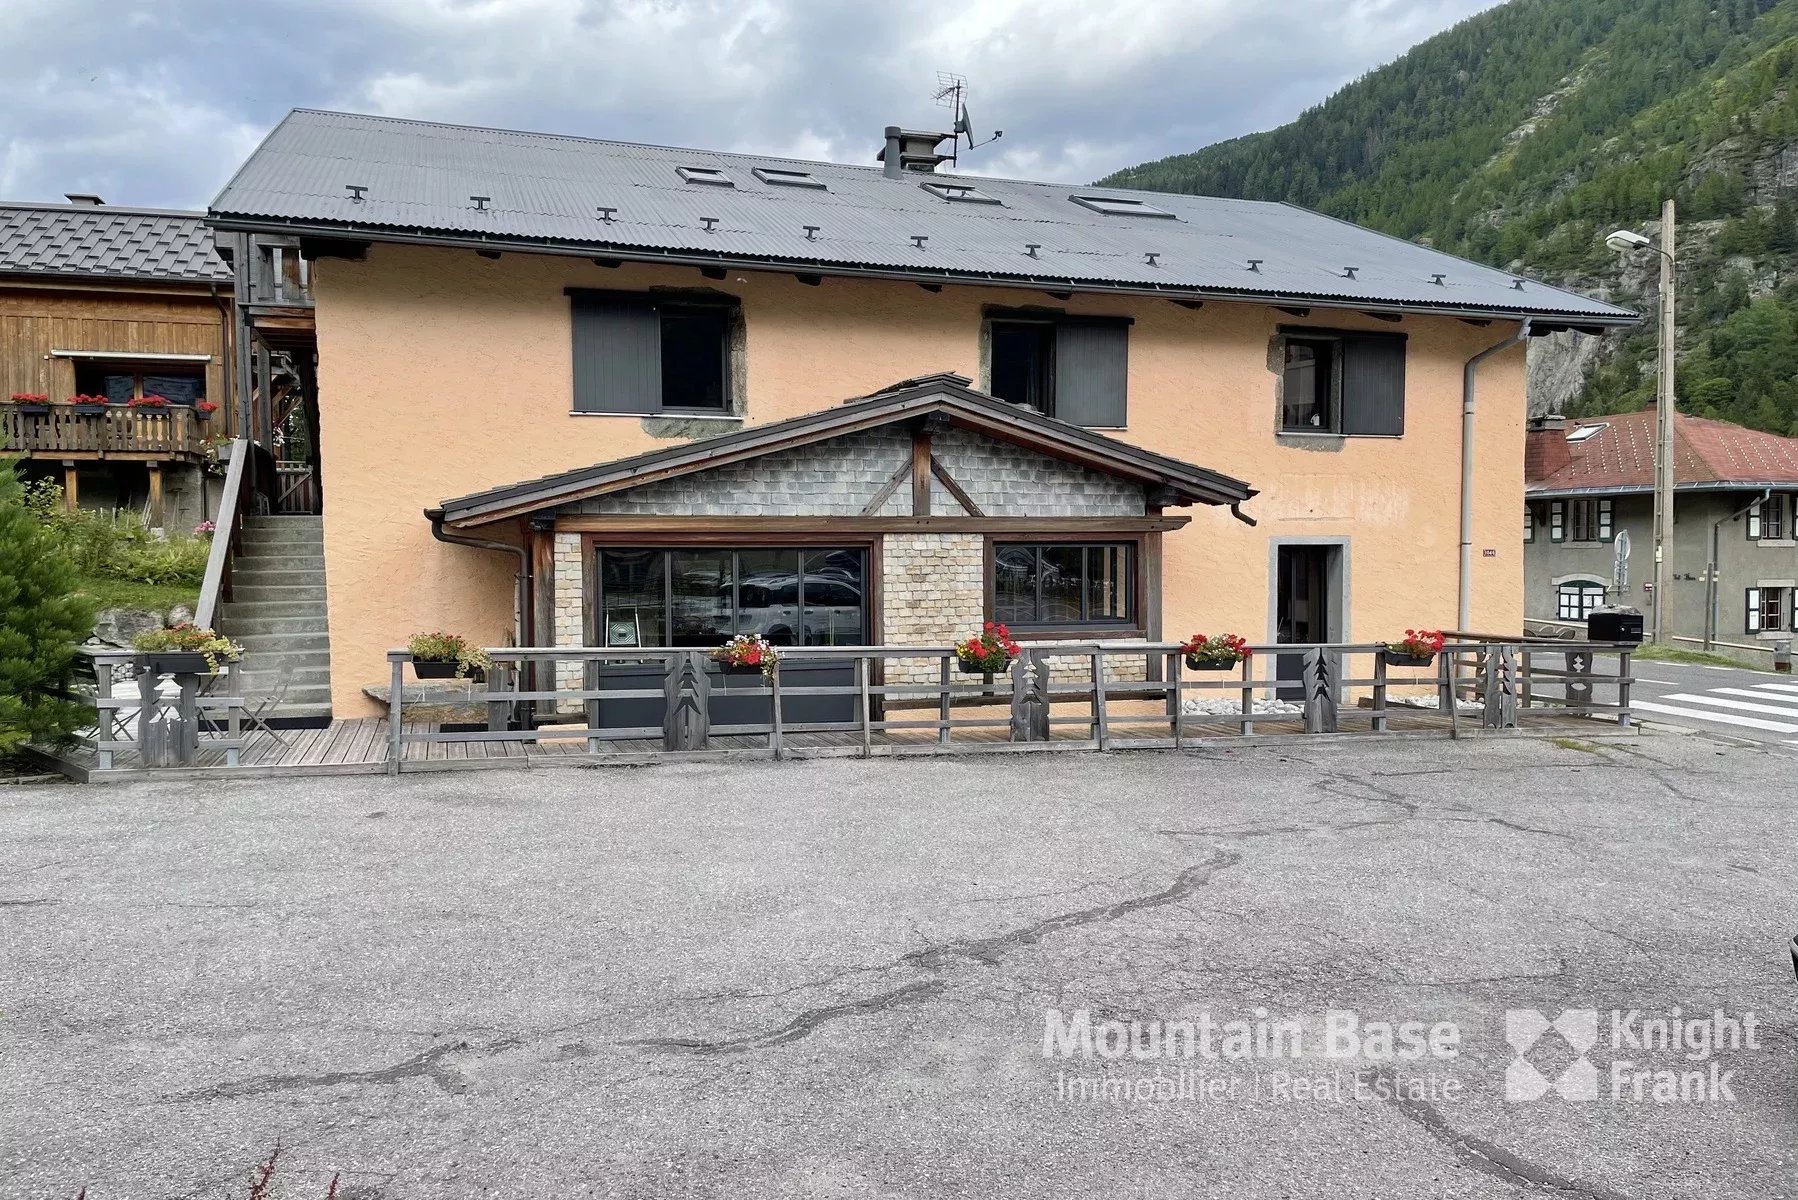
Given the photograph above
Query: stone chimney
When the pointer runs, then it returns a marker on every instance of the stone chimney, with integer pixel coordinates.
(1545, 448)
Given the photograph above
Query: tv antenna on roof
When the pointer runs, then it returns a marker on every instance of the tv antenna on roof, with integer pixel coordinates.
(952, 94)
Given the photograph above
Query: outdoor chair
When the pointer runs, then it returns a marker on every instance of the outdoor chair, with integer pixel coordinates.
(257, 708)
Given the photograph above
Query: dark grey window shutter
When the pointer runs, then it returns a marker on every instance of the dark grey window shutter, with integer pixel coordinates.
(617, 354)
(1373, 385)
(1092, 368)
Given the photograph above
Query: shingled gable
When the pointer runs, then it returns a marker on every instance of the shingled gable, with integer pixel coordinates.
(949, 395)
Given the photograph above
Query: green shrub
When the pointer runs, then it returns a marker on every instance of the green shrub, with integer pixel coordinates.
(42, 622)
(104, 545)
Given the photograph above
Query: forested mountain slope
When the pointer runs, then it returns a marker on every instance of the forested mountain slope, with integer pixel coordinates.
(1523, 135)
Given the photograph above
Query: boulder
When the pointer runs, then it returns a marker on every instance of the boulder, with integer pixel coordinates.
(117, 626)
(180, 614)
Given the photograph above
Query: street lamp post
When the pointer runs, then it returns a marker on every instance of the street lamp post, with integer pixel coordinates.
(1623, 241)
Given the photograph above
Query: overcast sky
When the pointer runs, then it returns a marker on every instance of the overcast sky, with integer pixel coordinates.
(156, 103)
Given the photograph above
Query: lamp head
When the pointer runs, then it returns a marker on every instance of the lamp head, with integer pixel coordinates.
(1625, 240)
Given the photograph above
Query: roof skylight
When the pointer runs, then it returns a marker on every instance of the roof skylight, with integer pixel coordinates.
(964, 193)
(1582, 432)
(804, 179)
(711, 175)
(1118, 206)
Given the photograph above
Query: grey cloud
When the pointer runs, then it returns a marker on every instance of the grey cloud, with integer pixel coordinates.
(155, 104)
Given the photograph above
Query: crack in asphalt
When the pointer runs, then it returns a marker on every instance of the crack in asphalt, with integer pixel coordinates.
(939, 960)
(1486, 1157)
(27, 903)
(429, 1065)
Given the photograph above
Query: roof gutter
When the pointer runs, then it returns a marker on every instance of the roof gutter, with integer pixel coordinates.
(754, 262)
(521, 599)
(1464, 589)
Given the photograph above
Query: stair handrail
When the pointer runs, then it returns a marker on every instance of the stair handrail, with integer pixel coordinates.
(227, 534)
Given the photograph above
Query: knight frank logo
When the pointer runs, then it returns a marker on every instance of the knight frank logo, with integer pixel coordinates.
(1649, 1058)
(1525, 1028)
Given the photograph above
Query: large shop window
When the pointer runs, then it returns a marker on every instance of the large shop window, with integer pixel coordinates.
(805, 596)
(1349, 384)
(649, 354)
(1061, 584)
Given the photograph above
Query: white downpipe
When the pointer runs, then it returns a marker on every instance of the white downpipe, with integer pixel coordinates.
(1464, 590)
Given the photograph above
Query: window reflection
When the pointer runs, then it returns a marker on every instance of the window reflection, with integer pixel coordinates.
(701, 597)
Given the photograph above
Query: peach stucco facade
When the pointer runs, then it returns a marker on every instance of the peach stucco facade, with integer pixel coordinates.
(442, 373)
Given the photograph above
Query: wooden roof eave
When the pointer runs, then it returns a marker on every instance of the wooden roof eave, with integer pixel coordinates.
(963, 407)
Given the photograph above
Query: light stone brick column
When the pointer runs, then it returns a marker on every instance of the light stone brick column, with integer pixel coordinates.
(569, 600)
(933, 593)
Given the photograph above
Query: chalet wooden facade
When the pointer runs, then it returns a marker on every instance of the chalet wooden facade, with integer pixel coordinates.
(116, 345)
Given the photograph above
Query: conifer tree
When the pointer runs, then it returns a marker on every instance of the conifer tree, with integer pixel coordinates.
(42, 621)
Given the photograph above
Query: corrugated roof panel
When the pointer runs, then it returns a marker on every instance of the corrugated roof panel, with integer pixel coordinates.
(105, 242)
(548, 188)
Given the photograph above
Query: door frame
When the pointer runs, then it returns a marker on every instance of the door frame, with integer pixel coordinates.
(1336, 585)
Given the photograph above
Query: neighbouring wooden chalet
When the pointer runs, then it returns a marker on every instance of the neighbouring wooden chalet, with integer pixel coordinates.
(103, 310)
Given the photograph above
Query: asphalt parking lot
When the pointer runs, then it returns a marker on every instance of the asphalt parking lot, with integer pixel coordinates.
(838, 978)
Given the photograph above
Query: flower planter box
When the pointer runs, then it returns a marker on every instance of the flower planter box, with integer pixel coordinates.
(89, 410)
(1397, 658)
(174, 662)
(732, 670)
(975, 668)
(34, 410)
(1196, 663)
(434, 668)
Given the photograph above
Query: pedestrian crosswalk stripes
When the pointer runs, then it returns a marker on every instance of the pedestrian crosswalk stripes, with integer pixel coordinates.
(1759, 693)
(1721, 718)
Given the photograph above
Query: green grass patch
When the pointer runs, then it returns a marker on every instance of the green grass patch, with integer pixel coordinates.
(1653, 652)
(129, 593)
(1567, 743)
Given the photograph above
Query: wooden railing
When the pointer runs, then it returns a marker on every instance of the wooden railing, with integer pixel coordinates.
(174, 432)
(278, 275)
(296, 488)
(235, 499)
(164, 719)
(1049, 688)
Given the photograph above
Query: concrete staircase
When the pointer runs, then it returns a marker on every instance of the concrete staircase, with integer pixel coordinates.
(277, 612)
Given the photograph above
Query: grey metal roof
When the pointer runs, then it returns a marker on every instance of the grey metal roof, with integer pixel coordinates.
(89, 242)
(546, 191)
(908, 399)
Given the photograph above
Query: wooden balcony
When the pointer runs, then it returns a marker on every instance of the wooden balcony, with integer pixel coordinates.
(124, 434)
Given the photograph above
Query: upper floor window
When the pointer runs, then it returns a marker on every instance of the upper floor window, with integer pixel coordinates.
(1072, 368)
(1770, 520)
(652, 354)
(1348, 384)
(123, 382)
(1579, 521)
(1055, 585)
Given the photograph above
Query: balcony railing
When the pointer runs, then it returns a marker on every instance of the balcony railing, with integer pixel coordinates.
(278, 275)
(64, 431)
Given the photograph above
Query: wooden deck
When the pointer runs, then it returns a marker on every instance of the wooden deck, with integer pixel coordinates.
(360, 746)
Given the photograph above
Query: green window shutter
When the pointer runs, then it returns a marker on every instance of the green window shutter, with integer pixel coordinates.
(1373, 384)
(1752, 622)
(1557, 521)
(1092, 368)
(617, 353)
